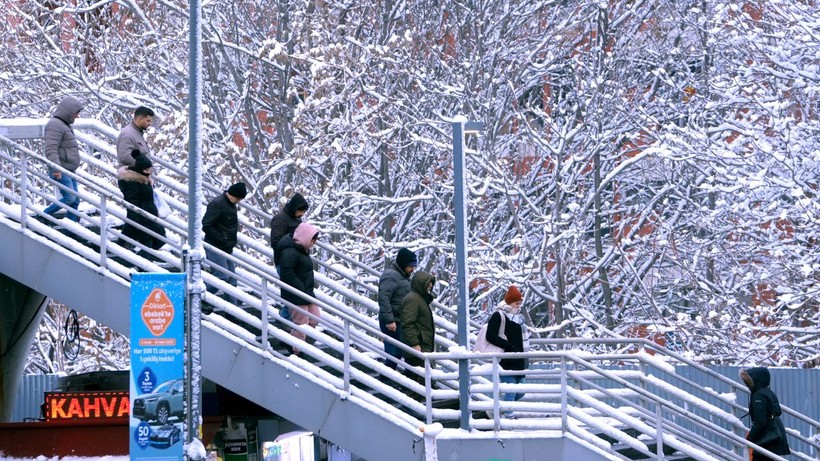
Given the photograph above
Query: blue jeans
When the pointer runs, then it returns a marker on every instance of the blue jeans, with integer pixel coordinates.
(219, 259)
(67, 198)
(391, 348)
(512, 396)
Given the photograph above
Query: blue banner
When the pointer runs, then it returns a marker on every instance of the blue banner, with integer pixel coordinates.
(157, 366)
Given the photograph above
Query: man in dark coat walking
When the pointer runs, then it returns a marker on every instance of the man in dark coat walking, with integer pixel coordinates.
(135, 184)
(61, 147)
(764, 409)
(394, 284)
(417, 325)
(285, 222)
(221, 226)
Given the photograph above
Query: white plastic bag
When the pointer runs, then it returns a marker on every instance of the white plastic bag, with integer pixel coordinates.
(163, 210)
(481, 343)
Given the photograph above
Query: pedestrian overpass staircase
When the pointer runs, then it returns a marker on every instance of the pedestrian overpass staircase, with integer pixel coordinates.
(588, 399)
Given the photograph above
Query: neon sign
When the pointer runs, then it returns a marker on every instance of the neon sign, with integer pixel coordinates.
(84, 406)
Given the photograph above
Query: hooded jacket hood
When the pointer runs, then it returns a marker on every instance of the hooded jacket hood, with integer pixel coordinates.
(756, 378)
(766, 428)
(419, 284)
(304, 234)
(67, 108)
(297, 202)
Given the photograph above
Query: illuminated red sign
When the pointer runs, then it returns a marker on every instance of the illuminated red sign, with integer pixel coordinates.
(85, 406)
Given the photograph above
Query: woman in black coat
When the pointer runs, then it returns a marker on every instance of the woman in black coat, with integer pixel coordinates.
(511, 339)
(767, 430)
(135, 184)
(296, 270)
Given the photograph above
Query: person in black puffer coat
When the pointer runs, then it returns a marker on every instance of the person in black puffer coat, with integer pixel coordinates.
(136, 187)
(296, 270)
(764, 409)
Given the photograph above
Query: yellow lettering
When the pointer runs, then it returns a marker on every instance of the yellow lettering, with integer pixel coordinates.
(74, 409)
(108, 407)
(91, 405)
(57, 411)
(124, 404)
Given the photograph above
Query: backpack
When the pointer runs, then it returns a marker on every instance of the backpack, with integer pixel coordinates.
(481, 343)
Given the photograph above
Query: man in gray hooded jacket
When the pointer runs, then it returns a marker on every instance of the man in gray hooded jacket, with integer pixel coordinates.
(394, 284)
(61, 148)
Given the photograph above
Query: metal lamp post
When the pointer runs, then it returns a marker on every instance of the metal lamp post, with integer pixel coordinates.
(460, 127)
(193, 378)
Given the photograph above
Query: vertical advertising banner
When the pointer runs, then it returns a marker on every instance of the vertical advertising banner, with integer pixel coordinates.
(157, 366)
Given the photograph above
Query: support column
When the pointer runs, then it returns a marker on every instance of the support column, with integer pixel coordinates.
(22, 310)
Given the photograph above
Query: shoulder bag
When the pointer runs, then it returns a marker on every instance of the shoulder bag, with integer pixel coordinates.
(481, 343)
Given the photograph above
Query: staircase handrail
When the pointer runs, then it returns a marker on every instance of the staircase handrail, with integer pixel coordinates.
(362, 330)
(245, 261)
(98, 127)
(734, 386)
(83, 123)
(263, 217)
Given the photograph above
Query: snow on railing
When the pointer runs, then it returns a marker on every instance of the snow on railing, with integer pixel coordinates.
(564, 390)
(260, 217)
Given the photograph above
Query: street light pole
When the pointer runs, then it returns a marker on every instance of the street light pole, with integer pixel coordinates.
(193, 378)
(460, 127)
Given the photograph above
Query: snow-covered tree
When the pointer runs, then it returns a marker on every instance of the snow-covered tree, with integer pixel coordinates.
(70, 343)
(646, 168)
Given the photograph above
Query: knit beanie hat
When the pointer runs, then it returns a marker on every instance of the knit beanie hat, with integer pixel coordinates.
(238, 190)
(141, 164)
(513, 295)
(406, 258)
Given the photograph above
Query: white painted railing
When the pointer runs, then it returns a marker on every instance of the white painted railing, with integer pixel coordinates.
(566, 389)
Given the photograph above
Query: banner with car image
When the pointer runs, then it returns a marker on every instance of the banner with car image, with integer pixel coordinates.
(157, 366)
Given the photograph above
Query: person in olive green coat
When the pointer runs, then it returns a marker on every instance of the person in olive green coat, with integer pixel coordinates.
(417, 327)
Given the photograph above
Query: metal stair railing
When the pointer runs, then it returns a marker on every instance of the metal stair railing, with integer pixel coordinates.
(251, 273)
(329, 275)
(578, 405)
(696, 408)
(812, 440)
(102, 202)
(181, 208)
(260, 217)
(352, 357)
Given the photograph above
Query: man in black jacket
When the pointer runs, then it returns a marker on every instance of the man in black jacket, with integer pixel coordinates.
(220, 225)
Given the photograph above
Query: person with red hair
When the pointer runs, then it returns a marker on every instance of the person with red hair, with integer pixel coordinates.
(504, 332)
